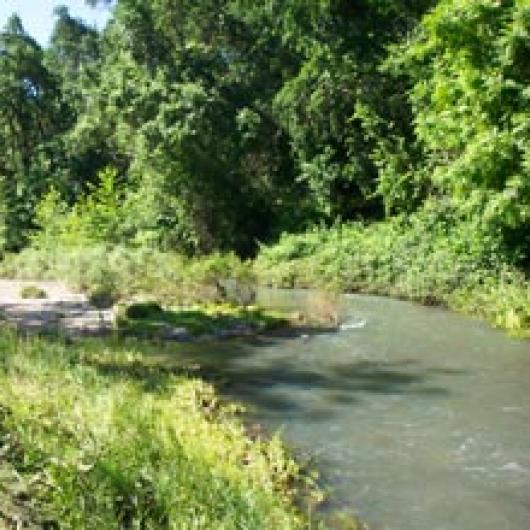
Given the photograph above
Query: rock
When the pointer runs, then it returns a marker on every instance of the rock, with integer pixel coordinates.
(238, 330)
(177, 334)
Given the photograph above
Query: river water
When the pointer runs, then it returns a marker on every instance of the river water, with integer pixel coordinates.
(417, 418)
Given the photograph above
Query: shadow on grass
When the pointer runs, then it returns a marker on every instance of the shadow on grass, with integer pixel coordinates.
(149, 320)
(269, 384)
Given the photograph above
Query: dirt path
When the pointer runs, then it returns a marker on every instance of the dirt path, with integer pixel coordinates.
(62, 310)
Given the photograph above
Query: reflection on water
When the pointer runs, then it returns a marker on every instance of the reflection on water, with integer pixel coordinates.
(417, 417)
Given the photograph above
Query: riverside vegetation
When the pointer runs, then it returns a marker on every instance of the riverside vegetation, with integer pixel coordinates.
(191, 129)
(354, 146)
(101, 436)
(431, 257)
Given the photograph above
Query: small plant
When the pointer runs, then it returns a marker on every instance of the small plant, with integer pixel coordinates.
(324, 308)
(33, 292)
(102, 298)
(144, 310)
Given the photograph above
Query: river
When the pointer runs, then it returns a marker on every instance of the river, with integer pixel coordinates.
(417, 418)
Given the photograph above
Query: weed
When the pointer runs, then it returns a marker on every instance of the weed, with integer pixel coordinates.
(33, 292)
(107, 439)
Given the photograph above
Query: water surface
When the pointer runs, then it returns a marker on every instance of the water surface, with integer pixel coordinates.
(419, 419)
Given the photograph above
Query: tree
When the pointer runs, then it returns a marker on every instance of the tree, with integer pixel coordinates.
(469, 66)
(30, 114)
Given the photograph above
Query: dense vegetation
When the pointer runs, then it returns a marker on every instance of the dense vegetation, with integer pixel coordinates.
(107, 437)
(376, 145)
(430, 257)
(190, 127)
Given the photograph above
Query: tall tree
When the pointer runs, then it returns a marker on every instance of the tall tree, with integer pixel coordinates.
(469, 66)
(30, 114)
(339, 46)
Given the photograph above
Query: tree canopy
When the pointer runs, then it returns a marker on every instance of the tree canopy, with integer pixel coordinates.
(227, 122)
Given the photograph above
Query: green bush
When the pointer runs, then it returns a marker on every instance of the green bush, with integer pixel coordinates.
(33, 292)
(439, 255)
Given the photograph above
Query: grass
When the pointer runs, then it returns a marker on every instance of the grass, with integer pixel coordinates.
(33, 292)
(104, 438)
(111, 273)
(150, 319)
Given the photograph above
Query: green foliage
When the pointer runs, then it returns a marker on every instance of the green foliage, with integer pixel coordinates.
(30, 114)
(97, 217)
(224, 126)
(436, 256)
(121, 272)
(33, 292)
(143, 310)
(104, 438)
(74, 54)
(503, 300)
(102, 296)
(468, 63)
(198, 128)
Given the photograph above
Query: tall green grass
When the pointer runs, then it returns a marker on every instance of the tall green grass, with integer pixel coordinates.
(121, 271)
(107, 439)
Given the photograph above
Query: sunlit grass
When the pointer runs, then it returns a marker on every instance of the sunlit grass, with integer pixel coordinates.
(150, 319)
(108, 440)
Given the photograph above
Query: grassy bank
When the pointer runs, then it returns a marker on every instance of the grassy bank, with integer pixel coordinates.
(431, 257)
(121, 272)
(102, 437)
(436, 256)
(202, 321)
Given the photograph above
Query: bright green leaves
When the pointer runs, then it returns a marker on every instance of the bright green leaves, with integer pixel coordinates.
(469, 65)
(96, 217)
(228, 121)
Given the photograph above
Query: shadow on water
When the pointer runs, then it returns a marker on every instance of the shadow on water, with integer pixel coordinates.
(270, 389)
(278, 386)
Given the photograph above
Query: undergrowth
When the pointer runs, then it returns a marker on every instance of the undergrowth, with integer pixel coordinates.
(107, 439)
(433, 257)
(121, 272)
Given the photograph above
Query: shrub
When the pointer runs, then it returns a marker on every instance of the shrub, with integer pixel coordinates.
(33, 292)
(440, 255)
(102, 298)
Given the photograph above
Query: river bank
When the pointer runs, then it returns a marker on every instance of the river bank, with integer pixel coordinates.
(107, 425)
(102, 437)
(453, 263)
(456, 265)
(284, 394)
